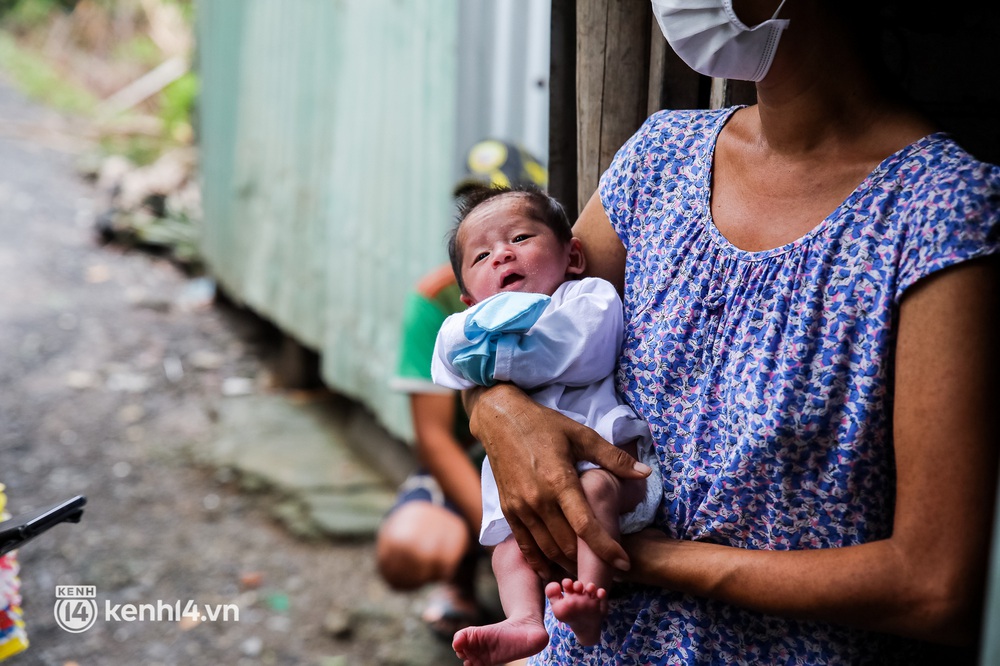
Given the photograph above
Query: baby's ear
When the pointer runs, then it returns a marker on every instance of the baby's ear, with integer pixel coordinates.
(577, 262)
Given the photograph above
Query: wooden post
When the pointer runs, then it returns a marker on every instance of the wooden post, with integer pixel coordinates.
(562, 106)
(672, 84)
(612, 82)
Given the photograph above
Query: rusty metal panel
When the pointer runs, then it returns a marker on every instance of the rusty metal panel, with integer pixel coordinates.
(219, 28)
(268, 154)
(503, 73)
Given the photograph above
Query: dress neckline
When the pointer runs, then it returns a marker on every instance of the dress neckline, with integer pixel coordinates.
(886, 166)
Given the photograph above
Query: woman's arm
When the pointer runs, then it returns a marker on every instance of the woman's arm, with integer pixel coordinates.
(443, 456)
(925, 581)
(601, 246)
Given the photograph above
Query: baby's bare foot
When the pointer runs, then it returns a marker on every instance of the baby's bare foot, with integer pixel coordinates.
(582, 607)
(501, 642)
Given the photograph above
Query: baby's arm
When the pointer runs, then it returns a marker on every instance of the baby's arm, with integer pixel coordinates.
(576, 340)
(530, 340)
(451, 337)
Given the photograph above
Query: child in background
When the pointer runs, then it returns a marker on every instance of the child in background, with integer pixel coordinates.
(531, 322)
(429, 535)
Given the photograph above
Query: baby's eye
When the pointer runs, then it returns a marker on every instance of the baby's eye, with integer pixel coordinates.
(521, 237)
(479, 257)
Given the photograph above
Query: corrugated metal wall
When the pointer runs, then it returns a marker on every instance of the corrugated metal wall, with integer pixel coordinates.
(331, 133)
(327, 136)
(390, 194)
(503, 74)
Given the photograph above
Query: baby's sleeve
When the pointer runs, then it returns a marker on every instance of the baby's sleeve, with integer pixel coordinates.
(465, 352)
(576, 340)
(450, 336)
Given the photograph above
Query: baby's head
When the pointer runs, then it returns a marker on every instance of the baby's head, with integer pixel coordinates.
(512, 239)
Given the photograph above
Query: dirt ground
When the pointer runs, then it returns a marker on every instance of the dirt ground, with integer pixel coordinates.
(110, 371)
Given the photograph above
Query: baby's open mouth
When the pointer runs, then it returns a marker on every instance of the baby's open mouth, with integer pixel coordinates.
(510, 279)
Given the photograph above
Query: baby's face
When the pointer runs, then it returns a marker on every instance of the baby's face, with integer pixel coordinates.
(504, 249)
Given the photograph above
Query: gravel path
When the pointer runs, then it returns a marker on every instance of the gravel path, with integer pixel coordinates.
(92, 403)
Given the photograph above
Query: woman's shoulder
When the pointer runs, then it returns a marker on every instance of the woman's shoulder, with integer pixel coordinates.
(688, 117)
(936, 169)
(666, 139)
(946, 208)
(673, 127)
(943, 192)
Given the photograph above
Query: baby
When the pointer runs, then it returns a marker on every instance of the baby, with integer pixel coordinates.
(533, 323)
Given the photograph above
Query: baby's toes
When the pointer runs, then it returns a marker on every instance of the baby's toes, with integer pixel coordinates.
(554, 591)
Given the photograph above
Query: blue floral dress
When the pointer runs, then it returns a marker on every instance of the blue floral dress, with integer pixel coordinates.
(766, 377)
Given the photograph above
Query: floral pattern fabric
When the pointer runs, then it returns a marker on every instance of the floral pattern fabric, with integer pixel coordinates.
(766, 377)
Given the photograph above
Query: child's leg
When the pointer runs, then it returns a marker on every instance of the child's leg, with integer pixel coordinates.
(522, 634)
(582, 604)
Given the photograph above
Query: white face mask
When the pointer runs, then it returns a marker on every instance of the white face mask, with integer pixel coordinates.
(707, 35)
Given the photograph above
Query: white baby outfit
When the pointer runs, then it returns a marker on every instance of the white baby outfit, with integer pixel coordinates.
(563, 351)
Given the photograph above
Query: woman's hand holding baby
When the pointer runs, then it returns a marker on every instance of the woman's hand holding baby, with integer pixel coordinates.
(533, 451)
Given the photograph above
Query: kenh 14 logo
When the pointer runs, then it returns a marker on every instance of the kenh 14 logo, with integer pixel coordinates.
(76, 607)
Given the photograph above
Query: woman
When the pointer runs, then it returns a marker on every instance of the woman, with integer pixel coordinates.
(809, 305)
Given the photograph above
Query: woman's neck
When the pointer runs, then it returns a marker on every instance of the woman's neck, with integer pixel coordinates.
(819, 97)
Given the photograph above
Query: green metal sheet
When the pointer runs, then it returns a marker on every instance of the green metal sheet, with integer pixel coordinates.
(327, 136)
(990, 653)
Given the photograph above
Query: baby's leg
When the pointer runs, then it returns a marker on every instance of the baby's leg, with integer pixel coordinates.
(522, 634)
(583, 604)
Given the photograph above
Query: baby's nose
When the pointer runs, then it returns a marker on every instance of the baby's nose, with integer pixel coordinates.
(503, 255)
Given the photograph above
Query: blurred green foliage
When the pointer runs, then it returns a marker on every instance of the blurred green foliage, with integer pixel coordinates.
(28, 14)
(177, 104)
(139, 49)
(23, 26)
(40, 81)
(140, 149)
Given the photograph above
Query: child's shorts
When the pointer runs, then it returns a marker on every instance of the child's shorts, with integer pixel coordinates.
(421, 486)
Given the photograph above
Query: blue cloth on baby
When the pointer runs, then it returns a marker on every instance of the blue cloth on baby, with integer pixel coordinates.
(509, 313)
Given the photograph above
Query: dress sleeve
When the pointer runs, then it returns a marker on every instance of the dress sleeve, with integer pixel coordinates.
(955, 217)
(620, 186)
(576, 341)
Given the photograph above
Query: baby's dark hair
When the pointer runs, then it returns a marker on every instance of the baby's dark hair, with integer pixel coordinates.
(541, 207)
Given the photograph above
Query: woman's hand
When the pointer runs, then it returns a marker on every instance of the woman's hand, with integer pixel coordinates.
(533, 451)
